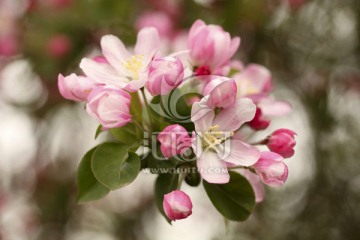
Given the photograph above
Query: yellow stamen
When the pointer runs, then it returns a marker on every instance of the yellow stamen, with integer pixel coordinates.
(246, 88)
(213, 139)
(134, 65)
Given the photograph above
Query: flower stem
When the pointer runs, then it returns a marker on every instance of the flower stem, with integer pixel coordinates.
(138, 125)
(147, 109)
(181, 179)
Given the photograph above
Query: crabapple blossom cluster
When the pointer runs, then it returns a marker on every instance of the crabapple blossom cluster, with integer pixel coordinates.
(188, 116)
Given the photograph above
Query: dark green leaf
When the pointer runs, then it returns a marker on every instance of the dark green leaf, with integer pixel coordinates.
(164, 184)
(173, 108)
(193, 178)
(88, 188)
(98, 131)
(234, 200)
(113, 166)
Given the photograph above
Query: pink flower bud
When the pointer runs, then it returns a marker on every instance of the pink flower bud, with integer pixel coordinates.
(59, 46)
(8, 45)
(177, 205)
(159, 20)
(111, 107)
(76, 88)
(282, 141)
(272, 171)
(222, 92)
(210, 45)
(259, 122)
(165, 74)
(174, 140)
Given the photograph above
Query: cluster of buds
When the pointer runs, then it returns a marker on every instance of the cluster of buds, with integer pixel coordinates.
(226, 98)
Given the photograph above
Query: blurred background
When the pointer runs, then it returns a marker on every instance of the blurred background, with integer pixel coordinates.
(312, 48)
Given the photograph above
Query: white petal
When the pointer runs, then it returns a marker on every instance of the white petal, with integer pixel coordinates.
(115, 52)
(232, 118)
(240, 153)
(212, 168)
(202, 115)
(272, 107)
(102, 73)
(148, 42)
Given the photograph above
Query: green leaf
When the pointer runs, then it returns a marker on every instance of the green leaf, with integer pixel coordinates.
(98, 131)
(88, 188)
(136, 107)
(127, 134)
(173, 108)
(234, 200)
(113, 166)
(164, 184)
(193, 178)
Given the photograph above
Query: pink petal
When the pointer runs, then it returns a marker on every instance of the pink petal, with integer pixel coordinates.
(235, 43)
(202, 115)
(74, 87)
(222, 92)
(232, 118)
(276, 174)
(254, 79)
(271, 156)
(271, 169)
(115, 52)
(135, 85)
(221, 55)
(148, 42)
(272, 107)
(197, 25)
(240, 153)
(177, 205)
(212, 168)
(255, 182)
(102, 73)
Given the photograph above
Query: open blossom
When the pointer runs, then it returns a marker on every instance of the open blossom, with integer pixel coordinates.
(110, 106)
(282, 141)
(222, 92)
(177, 205)
(174, 140)
(125, 70)
(255, 82)
(254, 79)
(271, 169)
(210, 45)
(214, 145)
(165, 74)
(159, 20)
(76, 88)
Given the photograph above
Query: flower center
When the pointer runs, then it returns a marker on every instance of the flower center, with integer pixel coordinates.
(247, 88)
(212, 139)
(134, 65)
